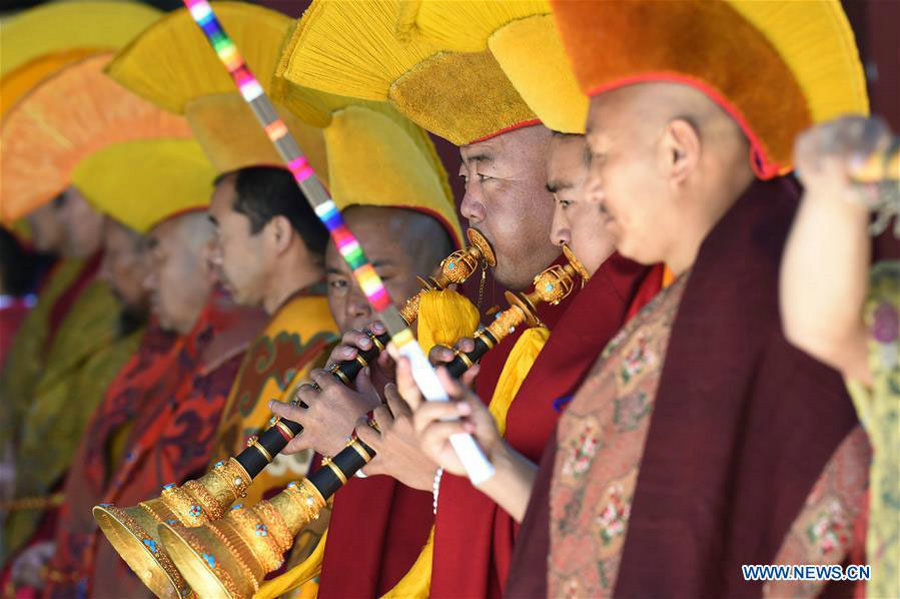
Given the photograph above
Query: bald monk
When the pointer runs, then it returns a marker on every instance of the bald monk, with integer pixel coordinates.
(700, 210)
(171, 438)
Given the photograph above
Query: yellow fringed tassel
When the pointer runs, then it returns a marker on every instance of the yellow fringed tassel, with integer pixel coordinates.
(297, 577)
(417, 582)
(444, 317)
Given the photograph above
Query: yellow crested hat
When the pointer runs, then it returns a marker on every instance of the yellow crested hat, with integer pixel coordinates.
(376, 156)
(140, 183)
(354, 49)
(172, 65)
(521, 36)
(66, 118)
(38, 42)
(776, 67)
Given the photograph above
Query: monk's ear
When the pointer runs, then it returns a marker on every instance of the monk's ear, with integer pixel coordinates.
(280, 231)
(679, 150)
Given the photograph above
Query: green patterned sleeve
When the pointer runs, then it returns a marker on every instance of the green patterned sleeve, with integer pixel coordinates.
(882, 318)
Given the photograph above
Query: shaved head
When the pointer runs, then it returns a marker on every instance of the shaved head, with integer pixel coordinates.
(666, 162)
(181, 271)
(401, 245)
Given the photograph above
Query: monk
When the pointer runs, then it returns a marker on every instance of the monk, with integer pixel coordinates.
(504, 149)
(270, 247)
(90, 336)
(404, 244)
(172, 437)
(406, 222)
(676, 507)
(616, 288)
(123, 268)
(28, 352)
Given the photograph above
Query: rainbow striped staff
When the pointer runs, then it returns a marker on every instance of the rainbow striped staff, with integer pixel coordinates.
(477, 466)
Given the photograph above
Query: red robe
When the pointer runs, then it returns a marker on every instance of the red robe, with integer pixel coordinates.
(473, 536)
(370, 548)
(152, 373)
(171, 441)
(378, 526)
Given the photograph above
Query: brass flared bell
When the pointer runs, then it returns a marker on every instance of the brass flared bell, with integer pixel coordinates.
(230, 557)
(132, 531)
(551, 286)
(455, 269)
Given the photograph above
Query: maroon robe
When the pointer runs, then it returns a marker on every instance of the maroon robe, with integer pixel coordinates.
(369, 550)
(474, 537)
(742, 427)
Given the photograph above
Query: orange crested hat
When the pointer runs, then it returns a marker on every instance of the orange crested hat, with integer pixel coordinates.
(71, 115)
(356, 49)
(777, 67)
(38, 42)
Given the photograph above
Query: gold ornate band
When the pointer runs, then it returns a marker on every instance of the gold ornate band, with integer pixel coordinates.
(338, 472)
(359, 449)
(336, 370)
(277, 528)
(265, 453)
(185, 507)
(255, 534)
(376, 341)
(212, 507)
(213, 564)
(465, 359)
(233, 475)
(307, 497)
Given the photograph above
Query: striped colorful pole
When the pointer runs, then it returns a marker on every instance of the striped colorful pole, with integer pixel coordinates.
(477, 466)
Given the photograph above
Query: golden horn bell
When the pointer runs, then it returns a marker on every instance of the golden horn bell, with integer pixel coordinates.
(230, 557)
(455, 269)
(133, 531)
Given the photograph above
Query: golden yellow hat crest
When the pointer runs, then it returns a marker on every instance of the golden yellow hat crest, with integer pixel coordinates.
(38, 42)
(141, 183)
(376, 162)
(776, 67)
(521, 35)
(353, 49)
(172, 65)
(65, 119)
(376, 156)
(62, 26)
